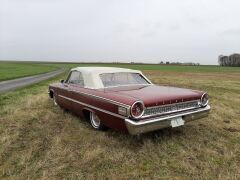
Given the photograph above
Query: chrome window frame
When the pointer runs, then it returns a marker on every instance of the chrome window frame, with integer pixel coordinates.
(69, 75)
(124, 85)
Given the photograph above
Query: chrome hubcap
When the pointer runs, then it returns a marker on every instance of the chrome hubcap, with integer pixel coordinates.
(95, 120)
(54, 101)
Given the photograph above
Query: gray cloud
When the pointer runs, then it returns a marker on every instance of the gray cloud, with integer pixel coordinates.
(137, 30)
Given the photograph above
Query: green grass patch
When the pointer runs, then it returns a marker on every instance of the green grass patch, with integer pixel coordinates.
(157, 67)
(12, 70)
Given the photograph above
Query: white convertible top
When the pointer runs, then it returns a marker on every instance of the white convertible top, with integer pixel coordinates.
(101, 70)
(91, 75)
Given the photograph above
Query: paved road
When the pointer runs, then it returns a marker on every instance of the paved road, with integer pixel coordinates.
(20, 82)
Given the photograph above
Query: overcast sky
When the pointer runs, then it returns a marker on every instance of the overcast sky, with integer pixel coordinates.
(119, 30)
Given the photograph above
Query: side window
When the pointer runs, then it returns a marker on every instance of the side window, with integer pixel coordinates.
(81, 81)
(76, 78)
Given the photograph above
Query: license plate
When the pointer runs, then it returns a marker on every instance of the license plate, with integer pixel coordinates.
(177, 122)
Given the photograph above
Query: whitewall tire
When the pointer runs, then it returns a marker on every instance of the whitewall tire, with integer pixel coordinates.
(55, 100)
(96, 122)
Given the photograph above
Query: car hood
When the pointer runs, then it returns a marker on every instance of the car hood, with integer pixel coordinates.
(154, 95)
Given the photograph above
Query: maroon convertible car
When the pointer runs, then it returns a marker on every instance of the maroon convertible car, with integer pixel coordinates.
(125, 100)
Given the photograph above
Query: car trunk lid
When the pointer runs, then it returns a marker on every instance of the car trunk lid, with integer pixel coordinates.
(153, 95)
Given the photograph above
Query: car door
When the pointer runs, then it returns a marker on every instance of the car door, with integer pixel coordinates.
(76, 88)
(65, 92)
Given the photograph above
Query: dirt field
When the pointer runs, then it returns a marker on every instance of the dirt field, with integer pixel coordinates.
(38, 140)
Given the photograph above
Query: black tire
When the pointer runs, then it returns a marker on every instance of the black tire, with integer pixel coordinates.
(96, 122)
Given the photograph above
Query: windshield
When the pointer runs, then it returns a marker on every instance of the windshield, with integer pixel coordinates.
(122, 79)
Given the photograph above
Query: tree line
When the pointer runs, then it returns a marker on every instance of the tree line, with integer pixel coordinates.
(232, 60)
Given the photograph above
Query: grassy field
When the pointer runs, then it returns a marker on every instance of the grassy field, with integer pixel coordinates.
(39, 140)
(157, 67)
(12, 70)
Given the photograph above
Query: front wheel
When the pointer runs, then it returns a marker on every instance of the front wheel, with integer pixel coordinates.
(54, 100)
(96, 122)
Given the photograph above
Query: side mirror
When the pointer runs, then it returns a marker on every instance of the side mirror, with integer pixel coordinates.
(62, 81)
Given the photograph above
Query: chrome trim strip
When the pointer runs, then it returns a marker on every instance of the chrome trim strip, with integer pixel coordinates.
(105, 99)
(169, 112)
(94, 107)
(146, 78)
(173, 104)
(144, 122)
(127, 85)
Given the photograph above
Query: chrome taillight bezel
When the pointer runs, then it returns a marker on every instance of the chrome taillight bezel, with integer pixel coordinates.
(137, 117)
(203, 104)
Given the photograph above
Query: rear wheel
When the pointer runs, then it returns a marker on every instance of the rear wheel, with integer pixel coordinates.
(96, 122)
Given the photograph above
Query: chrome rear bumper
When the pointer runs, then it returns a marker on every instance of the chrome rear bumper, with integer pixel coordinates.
(147, 125)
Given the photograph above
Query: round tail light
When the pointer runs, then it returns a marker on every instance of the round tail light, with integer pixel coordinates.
(137, 109)
(204, 99)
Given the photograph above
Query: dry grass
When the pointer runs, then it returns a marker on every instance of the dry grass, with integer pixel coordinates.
(38, 140)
